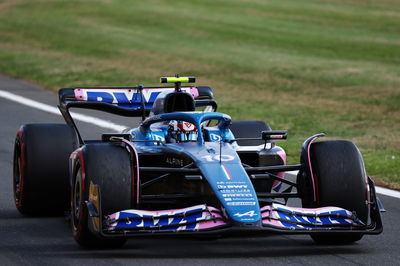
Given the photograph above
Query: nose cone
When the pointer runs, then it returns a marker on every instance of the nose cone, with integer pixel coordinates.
(231, 184)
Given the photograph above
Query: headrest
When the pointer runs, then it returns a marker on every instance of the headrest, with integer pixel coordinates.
(179, 102)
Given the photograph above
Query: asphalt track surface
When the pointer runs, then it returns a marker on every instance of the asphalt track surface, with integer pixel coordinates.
(48, 240)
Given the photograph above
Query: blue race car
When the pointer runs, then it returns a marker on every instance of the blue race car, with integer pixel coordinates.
(187, 170)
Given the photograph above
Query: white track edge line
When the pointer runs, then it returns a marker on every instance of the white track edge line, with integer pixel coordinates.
(387, 192)
(53, 110)
(110, 125)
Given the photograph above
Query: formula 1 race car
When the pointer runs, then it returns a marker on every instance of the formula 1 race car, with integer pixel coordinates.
(187, 170)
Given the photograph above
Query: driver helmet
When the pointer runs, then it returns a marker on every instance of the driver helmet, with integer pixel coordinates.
(182, 131)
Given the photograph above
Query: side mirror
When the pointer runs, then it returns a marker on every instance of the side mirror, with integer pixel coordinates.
(274, 135)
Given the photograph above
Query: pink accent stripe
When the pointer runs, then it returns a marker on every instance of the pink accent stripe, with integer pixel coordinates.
(113, 216)
(168, 211)
(79, 94)
(211, 210)
(211, 224)
(304, 210)
(225, 169)
(137, 170)
(22, 165)
(282, 154)
(194, 91)
(273, 222)
(276, 183)
(311, 171)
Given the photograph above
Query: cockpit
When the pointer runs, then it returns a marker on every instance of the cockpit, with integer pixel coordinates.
(181, 127)
(181, 131)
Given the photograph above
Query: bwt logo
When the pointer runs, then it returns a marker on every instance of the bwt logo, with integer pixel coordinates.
(323, 218)
(122, 97)
(139, 220)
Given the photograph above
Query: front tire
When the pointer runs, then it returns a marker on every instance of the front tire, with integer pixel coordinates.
(109, 167)
(341, 181)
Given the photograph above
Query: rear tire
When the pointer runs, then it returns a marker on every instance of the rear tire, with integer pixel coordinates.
(339, 169)
(108, 166)
(41, 162)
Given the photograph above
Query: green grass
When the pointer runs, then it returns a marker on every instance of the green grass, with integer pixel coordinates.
(307, 66)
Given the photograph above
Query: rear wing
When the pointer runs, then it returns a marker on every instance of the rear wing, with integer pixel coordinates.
(124, 101)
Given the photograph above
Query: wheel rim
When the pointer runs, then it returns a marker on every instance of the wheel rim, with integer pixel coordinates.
(76, 200)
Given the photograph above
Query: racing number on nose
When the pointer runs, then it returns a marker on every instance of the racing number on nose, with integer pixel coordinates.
(223, 158)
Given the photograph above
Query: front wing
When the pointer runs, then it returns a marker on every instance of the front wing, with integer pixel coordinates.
(203, 219)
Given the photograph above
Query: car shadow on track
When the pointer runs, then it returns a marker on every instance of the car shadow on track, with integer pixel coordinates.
(51, 237)
(187, 248)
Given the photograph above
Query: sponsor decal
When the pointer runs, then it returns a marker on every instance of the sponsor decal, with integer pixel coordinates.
(233, 187)
(249, 213)
(163, 220)
(174, 161)
(215, 137)
(128, 98)
(334, 219)
(158, 137)
(236, 193)
(284, 216)
(242, 203)
(239, 195)
(233, 191)
(192, 218)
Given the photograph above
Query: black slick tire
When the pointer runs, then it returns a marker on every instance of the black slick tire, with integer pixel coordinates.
(339, 169)
(41, 162)
(108, 166)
